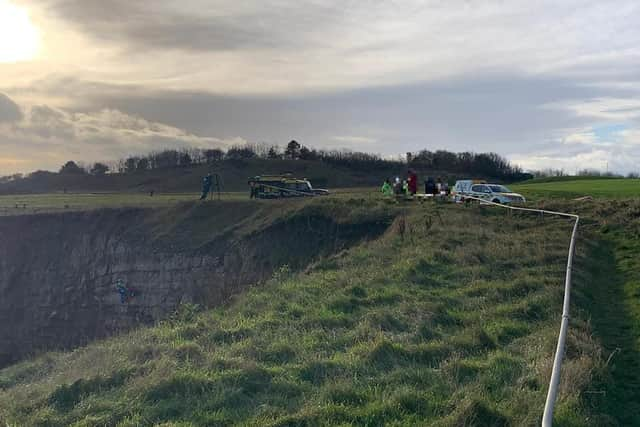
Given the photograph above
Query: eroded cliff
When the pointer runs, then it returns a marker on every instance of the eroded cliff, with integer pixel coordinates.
(58, 272)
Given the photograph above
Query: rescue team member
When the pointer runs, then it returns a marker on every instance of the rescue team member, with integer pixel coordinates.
(412, 182)
(397, 187)
(125, 293)
(387, 190)
(429, 186)
(206, 186)
(445, 188)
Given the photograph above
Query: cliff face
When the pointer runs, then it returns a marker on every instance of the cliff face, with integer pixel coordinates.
(58, 272)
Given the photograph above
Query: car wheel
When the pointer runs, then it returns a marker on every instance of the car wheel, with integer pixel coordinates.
(496, 201)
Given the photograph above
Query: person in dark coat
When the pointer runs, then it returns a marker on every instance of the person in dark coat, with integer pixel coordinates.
(429, 186)
(206, 186)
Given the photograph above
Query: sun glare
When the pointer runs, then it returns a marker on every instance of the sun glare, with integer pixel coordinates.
(19, 38)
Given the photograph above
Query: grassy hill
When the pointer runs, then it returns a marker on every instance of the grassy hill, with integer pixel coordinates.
(449, 319)
(233, 174)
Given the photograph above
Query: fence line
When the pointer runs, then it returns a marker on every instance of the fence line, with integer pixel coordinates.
(554, 381)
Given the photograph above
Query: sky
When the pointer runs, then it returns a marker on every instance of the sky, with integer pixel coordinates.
(547, 84)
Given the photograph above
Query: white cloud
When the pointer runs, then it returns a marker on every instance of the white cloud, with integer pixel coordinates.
(606, 108)
(47, 136)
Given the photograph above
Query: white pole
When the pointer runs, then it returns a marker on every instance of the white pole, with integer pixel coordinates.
(554, 381)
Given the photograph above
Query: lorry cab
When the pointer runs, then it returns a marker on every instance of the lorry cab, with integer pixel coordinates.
(280, 186)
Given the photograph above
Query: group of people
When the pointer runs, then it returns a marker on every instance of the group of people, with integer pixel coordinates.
(409, 186)
(436, 187)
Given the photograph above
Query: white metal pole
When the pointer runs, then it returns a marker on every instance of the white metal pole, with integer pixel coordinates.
(554, 381)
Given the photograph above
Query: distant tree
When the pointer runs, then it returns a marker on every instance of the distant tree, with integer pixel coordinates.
(130, 164)
(143, 164)
(307, 154)
(99, 169)
(213, 155)
(197, 156)
(166, 159)
(293, 150)
(71, 167)
(185, 159)
(261, 149)
(273, 153)
(240, 153)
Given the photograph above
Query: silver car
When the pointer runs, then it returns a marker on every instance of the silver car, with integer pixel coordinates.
(495, 193)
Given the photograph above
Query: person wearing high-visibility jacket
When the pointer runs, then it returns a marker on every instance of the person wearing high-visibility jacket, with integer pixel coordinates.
(387, 189)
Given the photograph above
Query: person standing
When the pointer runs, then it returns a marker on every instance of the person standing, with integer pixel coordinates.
(397, 187)
(387, 190)
(430, 186)
(206, 186)
(412, 182)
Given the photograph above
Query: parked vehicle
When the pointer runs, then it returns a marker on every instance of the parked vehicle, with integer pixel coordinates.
(495, 193)
(277, 186)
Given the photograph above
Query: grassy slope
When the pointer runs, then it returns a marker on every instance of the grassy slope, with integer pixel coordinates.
(608, 292)
(599, 187)
(613, 298)
(452, 324)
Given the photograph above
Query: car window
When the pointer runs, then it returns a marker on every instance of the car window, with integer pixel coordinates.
(480, 189)
(499, 189)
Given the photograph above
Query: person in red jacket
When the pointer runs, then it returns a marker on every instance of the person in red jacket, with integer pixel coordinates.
(412, 181)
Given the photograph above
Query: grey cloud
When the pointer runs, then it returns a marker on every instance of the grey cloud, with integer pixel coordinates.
(198, 26)
(9, 110)
(493, 113)
(47, 136)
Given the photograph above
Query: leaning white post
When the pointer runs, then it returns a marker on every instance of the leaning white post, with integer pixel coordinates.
(554, 382)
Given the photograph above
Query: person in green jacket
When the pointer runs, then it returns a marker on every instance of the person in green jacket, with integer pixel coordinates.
(387, 189)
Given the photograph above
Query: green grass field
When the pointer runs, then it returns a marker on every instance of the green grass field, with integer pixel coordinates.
(595, 187)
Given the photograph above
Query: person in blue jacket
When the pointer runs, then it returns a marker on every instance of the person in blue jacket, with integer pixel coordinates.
(125, 293)
(206, 186)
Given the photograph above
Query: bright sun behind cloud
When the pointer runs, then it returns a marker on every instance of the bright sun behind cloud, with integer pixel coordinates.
(19, 38)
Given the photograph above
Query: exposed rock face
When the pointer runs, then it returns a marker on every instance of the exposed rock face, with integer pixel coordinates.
(58, 272)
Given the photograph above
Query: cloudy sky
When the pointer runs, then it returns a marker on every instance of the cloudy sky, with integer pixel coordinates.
(545, 83)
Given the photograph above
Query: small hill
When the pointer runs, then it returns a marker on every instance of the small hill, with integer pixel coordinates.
(233, 174)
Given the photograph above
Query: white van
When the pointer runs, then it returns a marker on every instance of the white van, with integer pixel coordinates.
(495, 193)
